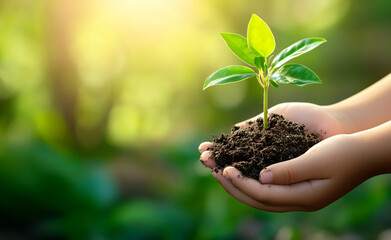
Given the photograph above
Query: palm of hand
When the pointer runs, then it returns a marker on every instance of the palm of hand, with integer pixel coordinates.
(286, 197)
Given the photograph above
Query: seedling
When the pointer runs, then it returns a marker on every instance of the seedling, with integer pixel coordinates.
(255, 50)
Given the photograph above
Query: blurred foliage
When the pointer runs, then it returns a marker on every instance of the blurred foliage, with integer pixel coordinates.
(101, 113)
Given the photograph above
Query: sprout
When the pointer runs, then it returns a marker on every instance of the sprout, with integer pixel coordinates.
(255, 50)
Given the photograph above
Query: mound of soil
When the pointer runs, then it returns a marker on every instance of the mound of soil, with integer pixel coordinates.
(251, 149)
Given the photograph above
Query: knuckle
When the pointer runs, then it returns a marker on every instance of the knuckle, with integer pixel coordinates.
(288, 175)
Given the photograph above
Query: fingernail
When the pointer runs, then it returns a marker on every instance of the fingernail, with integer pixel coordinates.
(203, 146)
(225, 173)
(205, 156)
(266, 177)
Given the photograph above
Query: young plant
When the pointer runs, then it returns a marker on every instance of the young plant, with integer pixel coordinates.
(255, 50)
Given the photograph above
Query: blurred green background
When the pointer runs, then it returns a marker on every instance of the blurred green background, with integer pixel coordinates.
(102, 112)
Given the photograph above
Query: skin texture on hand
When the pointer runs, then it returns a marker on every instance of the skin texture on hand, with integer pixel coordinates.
(326, 172)
(317, 119)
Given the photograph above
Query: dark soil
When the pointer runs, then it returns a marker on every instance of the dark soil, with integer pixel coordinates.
(250, 149)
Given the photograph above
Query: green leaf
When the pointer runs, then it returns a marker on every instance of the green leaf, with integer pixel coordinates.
(295, 74)
(295, 50)
(274, 83)
(238, 45)
(260, 63)
(229, 74)
(260, 38)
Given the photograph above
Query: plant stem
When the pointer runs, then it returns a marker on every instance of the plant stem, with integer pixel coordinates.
(264, 75)
(265, 93)
(259, 80)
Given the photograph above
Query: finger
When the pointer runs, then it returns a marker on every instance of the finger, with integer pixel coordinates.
(279, 109)
(203, 146)
(237, 194)
(207, 160)
(295, 170)
(303, 194)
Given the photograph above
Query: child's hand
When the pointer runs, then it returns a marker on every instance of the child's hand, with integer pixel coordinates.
(310, 182)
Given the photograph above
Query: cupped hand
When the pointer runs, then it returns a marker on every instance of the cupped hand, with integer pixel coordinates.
(291, 193)
(310, 182)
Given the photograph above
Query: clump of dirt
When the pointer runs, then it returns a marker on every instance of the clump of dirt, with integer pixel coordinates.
(251, 149)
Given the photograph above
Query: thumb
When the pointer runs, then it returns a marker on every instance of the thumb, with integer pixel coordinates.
(289, 172)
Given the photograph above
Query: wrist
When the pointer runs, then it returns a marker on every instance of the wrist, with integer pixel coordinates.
(342, 117)
(374, 148)
(366, 165)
